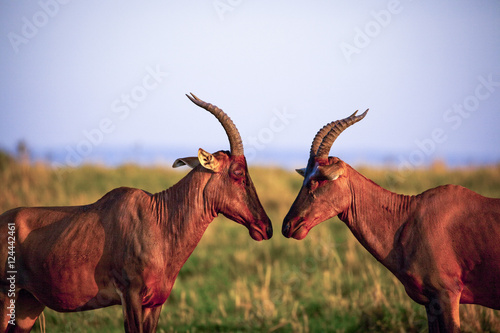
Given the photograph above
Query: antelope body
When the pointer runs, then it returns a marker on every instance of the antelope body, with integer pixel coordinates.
(443, 244)
(129, 246)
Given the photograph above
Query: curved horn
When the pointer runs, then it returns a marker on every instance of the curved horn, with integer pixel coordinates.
(338, 127)
(235, 143)
(322, 133)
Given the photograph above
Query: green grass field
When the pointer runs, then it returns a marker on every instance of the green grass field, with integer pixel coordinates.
(325, 283)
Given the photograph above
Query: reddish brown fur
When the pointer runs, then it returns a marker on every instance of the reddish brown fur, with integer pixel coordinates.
(443, 244)
(127, 248)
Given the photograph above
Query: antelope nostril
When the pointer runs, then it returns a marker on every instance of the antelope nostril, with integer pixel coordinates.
(269, 231)
(285, 229)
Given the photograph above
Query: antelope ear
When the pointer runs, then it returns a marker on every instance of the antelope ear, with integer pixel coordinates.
(189, 161)
(301, 172)
(333, 171)
(208, 161)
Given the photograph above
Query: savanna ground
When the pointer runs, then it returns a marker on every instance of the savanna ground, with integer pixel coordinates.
(325, 283)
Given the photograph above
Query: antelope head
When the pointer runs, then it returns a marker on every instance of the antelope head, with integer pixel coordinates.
(230, 184)
(325, 192)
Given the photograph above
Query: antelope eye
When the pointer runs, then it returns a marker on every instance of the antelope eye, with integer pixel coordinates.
(237, 172)
(313, 184)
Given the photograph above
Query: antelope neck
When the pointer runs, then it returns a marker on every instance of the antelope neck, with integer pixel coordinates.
(375, 215)
(182, 210)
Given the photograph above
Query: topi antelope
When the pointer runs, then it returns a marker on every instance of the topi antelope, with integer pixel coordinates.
(128, 247)
(443, 244)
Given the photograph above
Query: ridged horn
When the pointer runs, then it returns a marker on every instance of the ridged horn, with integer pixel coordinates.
(321, 135)
(235, 143)
(337, 127)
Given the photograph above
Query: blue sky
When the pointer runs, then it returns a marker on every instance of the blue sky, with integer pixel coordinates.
(84, 76)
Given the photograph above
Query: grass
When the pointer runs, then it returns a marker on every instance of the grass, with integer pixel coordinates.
(327, 282)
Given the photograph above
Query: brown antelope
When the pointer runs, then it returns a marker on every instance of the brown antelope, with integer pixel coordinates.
(443, 244)
(128, 247)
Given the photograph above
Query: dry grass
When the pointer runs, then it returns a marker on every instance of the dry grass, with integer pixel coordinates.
(327, 282)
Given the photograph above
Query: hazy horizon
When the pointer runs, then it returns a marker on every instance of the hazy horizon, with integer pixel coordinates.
(91, 76)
